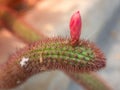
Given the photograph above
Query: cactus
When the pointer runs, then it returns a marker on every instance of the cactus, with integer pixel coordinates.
(49, 54)
(18, 26)
(90, 81)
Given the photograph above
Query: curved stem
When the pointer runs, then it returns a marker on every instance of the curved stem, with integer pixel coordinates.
(17, 26)
(90, 81)
(29, 38)
(50, 54)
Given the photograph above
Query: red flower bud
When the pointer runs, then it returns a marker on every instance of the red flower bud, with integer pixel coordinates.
(75, 27)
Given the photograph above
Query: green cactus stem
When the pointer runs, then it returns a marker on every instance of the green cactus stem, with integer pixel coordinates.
(90, 81)
(18, 26)
(50, 54)
(25, 34)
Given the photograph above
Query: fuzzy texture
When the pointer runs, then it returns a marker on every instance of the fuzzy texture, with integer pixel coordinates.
(75, 28)
(21, 76)
(50, 54)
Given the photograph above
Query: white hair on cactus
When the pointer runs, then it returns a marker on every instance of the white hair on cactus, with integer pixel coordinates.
(24, 61)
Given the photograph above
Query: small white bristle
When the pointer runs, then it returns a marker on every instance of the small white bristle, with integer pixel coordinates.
(23, 61)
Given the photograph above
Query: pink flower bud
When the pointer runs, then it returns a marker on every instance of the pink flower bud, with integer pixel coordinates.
(75, 27)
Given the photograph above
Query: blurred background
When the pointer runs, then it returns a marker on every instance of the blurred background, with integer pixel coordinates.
(100, 24)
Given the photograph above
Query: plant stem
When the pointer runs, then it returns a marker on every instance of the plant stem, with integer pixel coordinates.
(13, 22)
(17, 26)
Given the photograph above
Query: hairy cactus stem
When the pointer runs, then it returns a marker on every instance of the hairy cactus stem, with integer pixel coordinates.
(50, 54)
